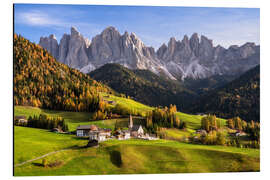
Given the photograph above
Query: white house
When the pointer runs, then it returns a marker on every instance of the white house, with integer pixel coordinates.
(83, 130)
(126, 134)
(93, 132)
(100, 135)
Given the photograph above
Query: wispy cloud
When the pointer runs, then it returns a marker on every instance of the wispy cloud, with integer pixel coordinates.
(39, 18)
(154, 25)
(52, 20)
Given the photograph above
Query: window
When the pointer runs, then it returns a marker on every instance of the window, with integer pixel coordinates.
(80, 133)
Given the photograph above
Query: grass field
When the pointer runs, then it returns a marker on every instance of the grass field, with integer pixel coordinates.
(68, 116)
(194, 121)
(129, 103)
(129, 156)
(82, 118)
(122, 157)
(73, 119)
(176, 134)
(32, 142)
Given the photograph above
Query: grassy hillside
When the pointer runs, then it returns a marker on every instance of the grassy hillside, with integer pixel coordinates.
(240, 98)
(143, 85)
(73, 119)
(130, 156)
(129, 103)
(81, 118)
(30, 143)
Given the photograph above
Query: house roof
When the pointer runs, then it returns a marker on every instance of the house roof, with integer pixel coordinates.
(106, 130)
(93, 128)
(20, 117)
(80, 127)
(88, 127)
(135, 128)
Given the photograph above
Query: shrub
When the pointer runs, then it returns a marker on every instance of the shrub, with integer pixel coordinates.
(44, 162)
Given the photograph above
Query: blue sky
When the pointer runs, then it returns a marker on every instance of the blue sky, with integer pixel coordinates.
(153, 25)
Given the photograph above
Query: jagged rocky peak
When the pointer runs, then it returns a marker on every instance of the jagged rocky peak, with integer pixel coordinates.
(77, 54)
(198, 58)
(193, 57)
(247, 49)
(50, 43)
(171, 46)
(74, 31)
(161, 50)
(63, 47)
(233, 47)
(206, 49)
(52, 36)
(110, 32)
(185, 40)
(127, 49)
(195, 43)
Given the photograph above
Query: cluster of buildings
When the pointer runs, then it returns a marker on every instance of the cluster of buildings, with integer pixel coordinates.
(102, 134)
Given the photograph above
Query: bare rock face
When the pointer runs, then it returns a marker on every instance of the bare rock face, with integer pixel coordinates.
(50, 43)
(193, 58)
(198, 58)
(72, 49)
(76, 56)
(63, 48)
(127, 49)
(194, 44)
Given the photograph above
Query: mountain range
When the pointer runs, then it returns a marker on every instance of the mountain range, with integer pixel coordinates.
(191, 58)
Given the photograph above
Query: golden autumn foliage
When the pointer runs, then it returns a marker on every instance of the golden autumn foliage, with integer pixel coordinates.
(41, 81)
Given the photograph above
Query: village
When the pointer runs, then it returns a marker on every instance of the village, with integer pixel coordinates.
(102, 134)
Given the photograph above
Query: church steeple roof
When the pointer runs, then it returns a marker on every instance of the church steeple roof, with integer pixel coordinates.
(130, 122)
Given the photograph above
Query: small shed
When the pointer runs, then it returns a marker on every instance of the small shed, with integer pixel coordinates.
(20, 120)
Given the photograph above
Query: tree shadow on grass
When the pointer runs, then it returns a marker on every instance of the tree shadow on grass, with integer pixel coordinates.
(37, 164)
(115, 157)
(80, 138)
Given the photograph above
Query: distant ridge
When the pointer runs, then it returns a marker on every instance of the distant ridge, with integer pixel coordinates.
(241, 97)
(143, 85)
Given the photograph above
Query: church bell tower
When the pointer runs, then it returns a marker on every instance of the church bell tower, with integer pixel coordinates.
(130, 121)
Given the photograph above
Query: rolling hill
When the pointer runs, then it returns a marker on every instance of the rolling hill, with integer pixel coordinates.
(241, 97)
(125, 157)
(143, 85)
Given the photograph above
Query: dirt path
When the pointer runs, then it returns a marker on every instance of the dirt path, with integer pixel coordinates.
(40, 157)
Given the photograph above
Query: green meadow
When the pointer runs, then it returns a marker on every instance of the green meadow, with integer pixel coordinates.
(73, 119)
(122, 157)
(127, 156)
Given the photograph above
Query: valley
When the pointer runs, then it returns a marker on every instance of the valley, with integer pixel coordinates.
(198, 112)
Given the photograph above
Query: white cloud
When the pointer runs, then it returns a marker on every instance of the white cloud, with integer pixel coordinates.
(55, 23)
(38, 18)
